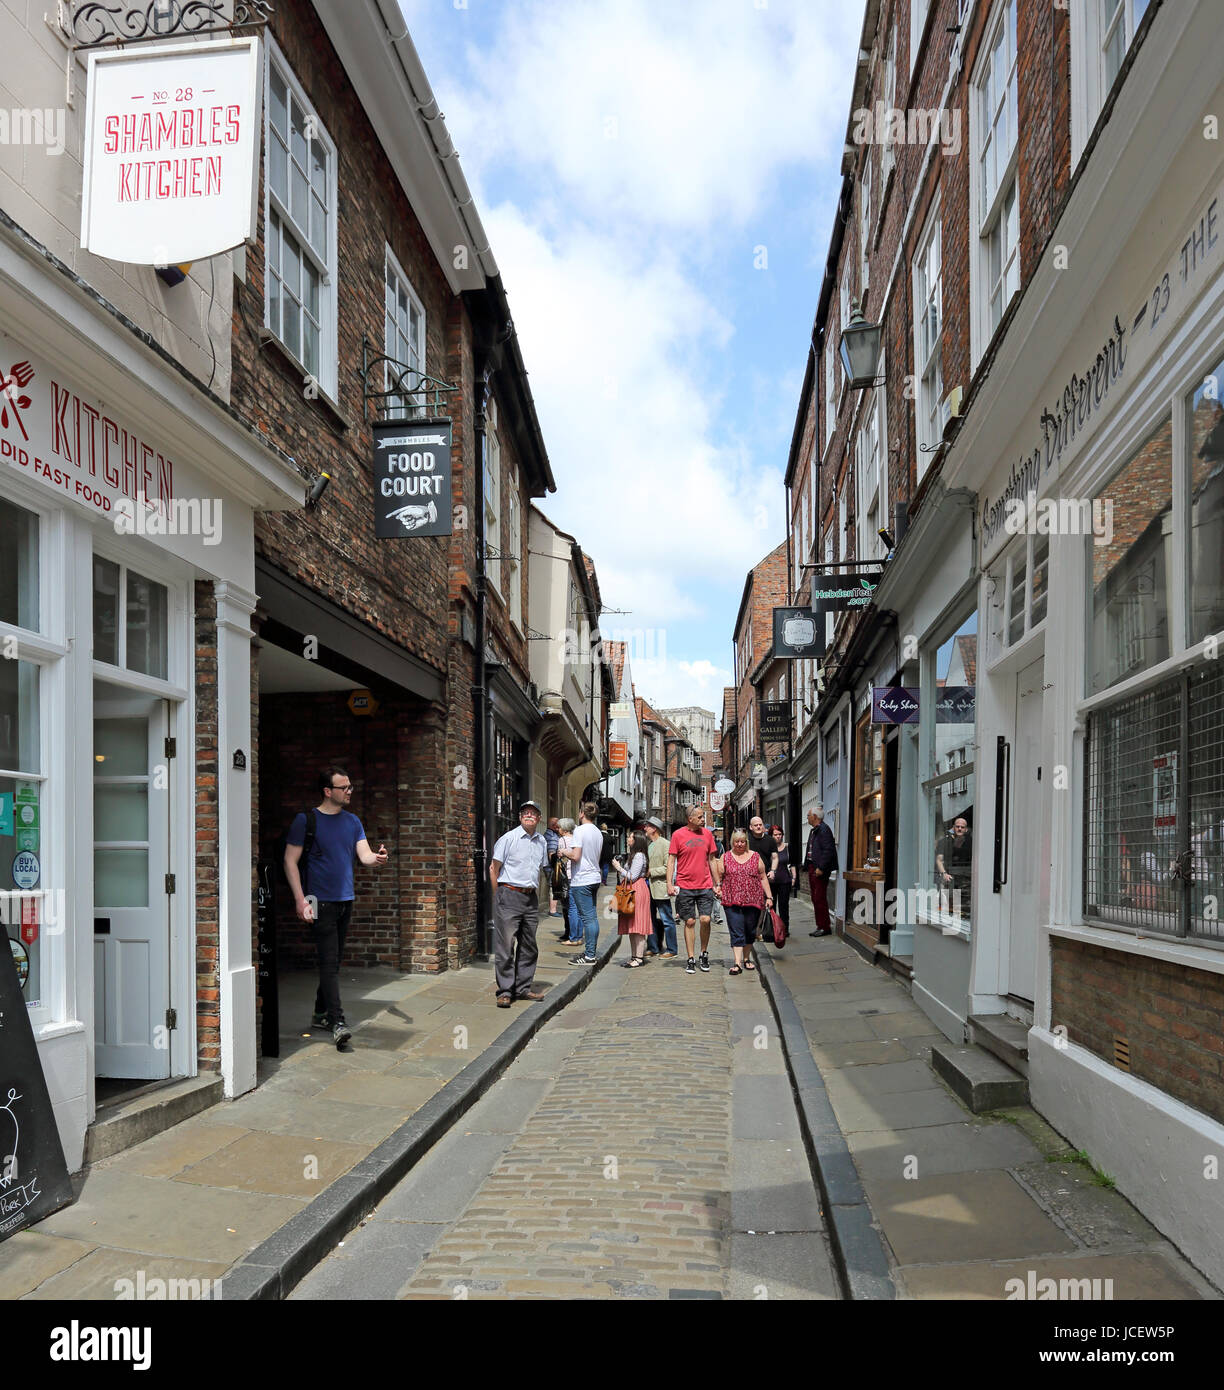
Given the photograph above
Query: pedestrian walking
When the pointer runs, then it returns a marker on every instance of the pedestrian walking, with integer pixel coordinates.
(571, 929)
(585, 853)
(660, 903)
(745, 895)
(820, 861)
(519, 858)
(552, 838)
(693, 874)
(636, 924)
(328, 839)
(606, 853)
(782, 879)
(762, 841)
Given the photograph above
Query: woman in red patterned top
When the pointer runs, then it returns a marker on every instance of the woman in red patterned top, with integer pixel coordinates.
(745, 891)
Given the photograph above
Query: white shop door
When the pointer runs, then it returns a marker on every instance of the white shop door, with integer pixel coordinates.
(1025, 867)
(131, 902)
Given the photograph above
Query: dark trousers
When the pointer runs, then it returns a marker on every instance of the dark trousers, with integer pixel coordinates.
(819, 889)
(515, 916)
(330, 927)
(782, 892)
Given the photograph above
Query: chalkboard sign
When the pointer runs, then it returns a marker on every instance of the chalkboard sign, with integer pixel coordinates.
(33, 1171)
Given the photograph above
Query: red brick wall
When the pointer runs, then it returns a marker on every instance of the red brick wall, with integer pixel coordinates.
(207, 886)
(1172, 1016)
(769, 590)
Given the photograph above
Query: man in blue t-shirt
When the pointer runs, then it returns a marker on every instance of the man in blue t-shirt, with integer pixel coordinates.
(328, 879)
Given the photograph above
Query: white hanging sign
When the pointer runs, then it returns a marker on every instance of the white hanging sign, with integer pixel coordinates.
(171, 151)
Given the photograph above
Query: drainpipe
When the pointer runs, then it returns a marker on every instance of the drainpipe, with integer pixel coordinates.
(480, 689)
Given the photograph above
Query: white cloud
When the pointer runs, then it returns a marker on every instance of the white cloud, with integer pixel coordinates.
(672, 115)
(668, 684)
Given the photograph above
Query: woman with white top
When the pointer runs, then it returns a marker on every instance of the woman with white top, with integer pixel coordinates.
(636, 925)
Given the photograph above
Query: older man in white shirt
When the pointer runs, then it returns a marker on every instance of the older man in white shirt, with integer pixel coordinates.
(518, 859)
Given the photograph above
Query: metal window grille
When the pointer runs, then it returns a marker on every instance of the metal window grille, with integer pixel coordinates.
(1154, 808)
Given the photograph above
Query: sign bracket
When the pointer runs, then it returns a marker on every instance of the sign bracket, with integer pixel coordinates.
(428, 393)
(96, 25)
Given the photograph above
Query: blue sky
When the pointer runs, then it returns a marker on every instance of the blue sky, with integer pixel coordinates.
(632, 162)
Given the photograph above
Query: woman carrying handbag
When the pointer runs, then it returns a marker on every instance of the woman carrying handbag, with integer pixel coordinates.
(633, 900)
(745, 892)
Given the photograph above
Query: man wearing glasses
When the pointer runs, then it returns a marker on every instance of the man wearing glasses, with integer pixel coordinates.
(338, 838)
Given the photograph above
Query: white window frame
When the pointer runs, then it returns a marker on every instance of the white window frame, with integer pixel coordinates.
(829, 557)
(918, 17)
(492, 496)
(865, 226)
(843, 305)
(326, 266)
(408, 404)
(887, 158)
(830, 372)
(514, 559)
(928, 363)
(1089, 88)
(989, 221)
(871, 472)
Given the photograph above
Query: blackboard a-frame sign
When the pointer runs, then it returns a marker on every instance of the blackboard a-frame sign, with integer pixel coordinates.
(34, 1178)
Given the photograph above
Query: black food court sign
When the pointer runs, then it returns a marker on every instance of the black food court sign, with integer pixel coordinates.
(412, 478)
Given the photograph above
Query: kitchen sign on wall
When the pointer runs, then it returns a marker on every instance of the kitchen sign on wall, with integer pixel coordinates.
(412, 478)
(171, 151)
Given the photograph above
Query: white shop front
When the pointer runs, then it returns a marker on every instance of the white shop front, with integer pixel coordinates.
(122, 487)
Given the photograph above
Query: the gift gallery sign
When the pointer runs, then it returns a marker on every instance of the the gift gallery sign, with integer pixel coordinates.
(171, 145)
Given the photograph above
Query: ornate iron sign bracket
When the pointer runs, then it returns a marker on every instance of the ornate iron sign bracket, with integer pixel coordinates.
(409, 391)
(92, 24)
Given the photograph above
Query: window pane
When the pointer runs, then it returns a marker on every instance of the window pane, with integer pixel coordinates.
(310, 346)
(310, 283)
(18, 566)
(1129, 576)
(121, 748)
(297, 137)
(318, 228)
(121, 878)
(1206, 442)
(277, 107)
(1206, 772)
(278, 167)
(19, 832)
(290, 263)
(105, 611)
(318, 170)
(951, 804)
(19, 743)
(146, 626)
(121, 813)
(1041, 567)
(298, 192)
(1015, 626)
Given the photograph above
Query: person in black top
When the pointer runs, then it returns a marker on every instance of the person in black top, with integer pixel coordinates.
(783, 877)
(820, 860)
(954, 865)
(763, 842)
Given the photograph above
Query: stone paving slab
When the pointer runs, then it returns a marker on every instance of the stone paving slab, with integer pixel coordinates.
(281, 1164)
(159, 1218)
(167, 1154)
(909, 1110)
(883, 1154)
(958, 1217)
(781, 1267)
(771, 1186)
(32, 1256)
(101, 1276)
(1145, 1275)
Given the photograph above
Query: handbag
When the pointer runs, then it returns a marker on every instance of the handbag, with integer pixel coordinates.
(765, 928)
(626, 899)
(778, 936)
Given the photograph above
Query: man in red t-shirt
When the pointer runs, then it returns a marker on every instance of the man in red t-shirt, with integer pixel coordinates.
(694, 874)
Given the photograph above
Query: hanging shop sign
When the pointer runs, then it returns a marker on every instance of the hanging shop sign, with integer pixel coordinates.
(718, 801)
(835, 592)
(618, 755)
(412, 478)
(796, 633)
(775, 721)
(955, 704)
(894, 705)
(621, 709)
(171, 142)
(724, 785)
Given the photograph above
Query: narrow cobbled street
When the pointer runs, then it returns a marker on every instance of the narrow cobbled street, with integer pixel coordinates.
(644, 1146)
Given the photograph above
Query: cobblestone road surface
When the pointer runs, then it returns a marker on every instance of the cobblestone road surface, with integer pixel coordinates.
(644, 1146)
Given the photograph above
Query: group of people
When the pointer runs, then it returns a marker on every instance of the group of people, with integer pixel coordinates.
(679, 880)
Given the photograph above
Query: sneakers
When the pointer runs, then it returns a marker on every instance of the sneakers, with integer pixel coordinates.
(691, 967)
(705, 962)
(341, 1033)
(318, 1020)
(584, 960)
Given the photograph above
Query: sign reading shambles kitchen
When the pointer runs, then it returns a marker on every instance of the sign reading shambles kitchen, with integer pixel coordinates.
(412, 478)
(171, 136)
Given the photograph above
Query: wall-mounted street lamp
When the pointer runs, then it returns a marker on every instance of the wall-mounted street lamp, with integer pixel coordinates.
(860, 350)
